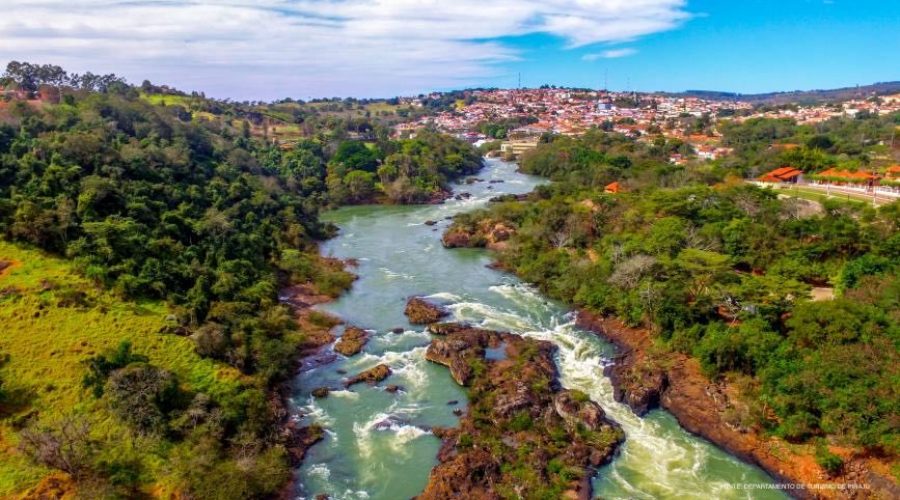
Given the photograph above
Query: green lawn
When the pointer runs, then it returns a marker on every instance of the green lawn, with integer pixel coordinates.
(820, 196)
(46, 340)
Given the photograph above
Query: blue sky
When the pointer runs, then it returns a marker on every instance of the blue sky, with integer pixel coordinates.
(267, 49)
(742, 46)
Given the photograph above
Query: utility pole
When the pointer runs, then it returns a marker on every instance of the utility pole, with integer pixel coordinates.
(520, 81)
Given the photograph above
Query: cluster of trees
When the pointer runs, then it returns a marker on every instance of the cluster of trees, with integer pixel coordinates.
(152, 204)
(723, 271)
(29, 77)
(762, 144)
(339, 171)
(499, 129)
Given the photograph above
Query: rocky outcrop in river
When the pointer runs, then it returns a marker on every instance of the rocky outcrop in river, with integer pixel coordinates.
(352, 341)
(371, 376)
(421, 312)
(522, 435)
(483, 234)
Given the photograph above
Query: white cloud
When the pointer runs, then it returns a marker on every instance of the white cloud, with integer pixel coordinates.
(610, 54)
(276, 48)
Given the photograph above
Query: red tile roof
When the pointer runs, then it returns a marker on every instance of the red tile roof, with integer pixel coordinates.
(781, 174)
(846, 174)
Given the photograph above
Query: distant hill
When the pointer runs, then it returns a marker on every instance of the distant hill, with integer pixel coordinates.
(799, 96)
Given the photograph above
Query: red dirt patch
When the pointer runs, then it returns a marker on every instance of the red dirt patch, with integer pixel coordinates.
(7, 266)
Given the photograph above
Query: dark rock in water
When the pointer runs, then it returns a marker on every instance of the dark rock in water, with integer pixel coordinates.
(392, 388)
(453, 402)
(465, 195)
(317, 360)
(371, 376)
(341, 372)
(421, 312)
(430, 222)
(397, 330)
(352, 341)
(446, 328)
(449, 217)
(321, 392)
(642, 394)
(496, 181)
(457, 412)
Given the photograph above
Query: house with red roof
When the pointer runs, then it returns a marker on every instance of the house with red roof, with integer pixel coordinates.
(789, 175)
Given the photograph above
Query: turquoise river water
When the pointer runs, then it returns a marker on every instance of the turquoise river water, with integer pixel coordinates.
(378, 445)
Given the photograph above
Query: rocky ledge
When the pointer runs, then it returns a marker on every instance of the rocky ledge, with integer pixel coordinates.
(421, 312)
(371, 376)
(645, 379)
(483, 234)
(522, 435)
(352, 341)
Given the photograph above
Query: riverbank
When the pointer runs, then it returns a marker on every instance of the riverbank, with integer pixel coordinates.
(317, 328)
(645, 378)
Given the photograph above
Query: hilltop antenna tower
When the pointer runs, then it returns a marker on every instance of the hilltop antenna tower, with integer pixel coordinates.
(520, 81)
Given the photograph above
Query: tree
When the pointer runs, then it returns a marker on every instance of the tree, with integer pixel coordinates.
(143, 395)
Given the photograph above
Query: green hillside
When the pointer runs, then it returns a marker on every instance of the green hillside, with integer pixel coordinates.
(54, 320)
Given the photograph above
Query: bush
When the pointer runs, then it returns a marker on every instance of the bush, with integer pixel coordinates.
(143, 396)
(101, 366)
(828, 460)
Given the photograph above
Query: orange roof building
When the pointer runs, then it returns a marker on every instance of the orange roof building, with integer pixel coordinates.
(611, 188)
(783, 174)
(837, 175)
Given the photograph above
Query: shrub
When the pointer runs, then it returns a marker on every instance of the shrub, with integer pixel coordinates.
(100, 366)
(143, 395)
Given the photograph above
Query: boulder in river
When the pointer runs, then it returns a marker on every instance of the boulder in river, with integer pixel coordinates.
(371, 376)
(430, 222)
(352, 341)
(421, 312)
(320, 392)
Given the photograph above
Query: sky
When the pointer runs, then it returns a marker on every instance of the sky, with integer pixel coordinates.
(270, 49)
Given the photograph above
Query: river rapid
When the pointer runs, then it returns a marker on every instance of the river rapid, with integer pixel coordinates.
(378, 445)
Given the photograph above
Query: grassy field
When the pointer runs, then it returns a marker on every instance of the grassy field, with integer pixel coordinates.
(816, 195)
(53, 320)
(168, 100)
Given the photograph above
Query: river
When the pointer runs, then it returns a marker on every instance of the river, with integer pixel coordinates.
(378, 445)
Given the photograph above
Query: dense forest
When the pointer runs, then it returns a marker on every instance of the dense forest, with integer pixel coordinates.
(723, 270)
(157, 197)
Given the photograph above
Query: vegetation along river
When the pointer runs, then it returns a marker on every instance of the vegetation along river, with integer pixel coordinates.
(378, 445)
